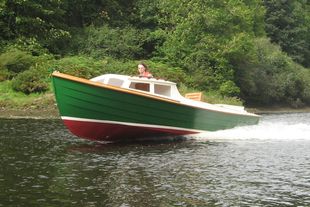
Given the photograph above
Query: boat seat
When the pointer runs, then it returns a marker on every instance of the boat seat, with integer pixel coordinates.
(197, 96)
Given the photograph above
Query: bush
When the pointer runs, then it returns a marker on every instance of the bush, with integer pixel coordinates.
(271, 77)
(57, 41)
(125, 43)
(305, 76)
(29, 45)
(15, 61)
(229, 89)
(125, 67)
(4, 74)
(80, 66)
(88, 67)
(30, 81)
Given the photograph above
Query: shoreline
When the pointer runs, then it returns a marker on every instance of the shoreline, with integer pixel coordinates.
(277, 110)
(52, 112)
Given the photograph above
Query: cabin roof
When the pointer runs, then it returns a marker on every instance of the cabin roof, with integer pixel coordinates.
(135, 78)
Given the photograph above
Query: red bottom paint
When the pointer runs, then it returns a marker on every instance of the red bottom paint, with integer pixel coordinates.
(116, 132)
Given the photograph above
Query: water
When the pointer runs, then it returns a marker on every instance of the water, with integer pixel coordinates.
(42, 164)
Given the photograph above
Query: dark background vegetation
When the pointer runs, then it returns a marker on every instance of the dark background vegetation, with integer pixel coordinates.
(255, 50)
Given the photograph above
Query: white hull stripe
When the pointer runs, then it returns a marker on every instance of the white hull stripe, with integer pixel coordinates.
(130, 124)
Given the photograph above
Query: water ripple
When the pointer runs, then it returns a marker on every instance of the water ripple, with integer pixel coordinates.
(46, 166)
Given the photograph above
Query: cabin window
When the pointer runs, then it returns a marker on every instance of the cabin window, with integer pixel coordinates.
(115, 82)
(162, 90)
(140, 86)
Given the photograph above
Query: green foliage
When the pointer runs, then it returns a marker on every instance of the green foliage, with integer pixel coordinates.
(158, 69)
(40, 20)
(229, 88)
(164, 71)
(272, 78)
(87, 67)
(288, 24)
(123, 43)
(81, 13)
(212, 97)
(215, 46)
(146, 14)
(4, 74)
(29, 72)
(204, 39)
(111, 65)
(30, 45)
(11, 99)
(80, 66)
(6, 92)
(30, 81)
(14, 61)
(305, 78)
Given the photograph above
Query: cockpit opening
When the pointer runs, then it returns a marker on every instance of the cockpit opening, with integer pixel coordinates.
(140, 86)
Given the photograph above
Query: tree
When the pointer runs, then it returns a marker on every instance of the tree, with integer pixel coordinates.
(205, 36)
(83, 13)
(288, 24)
(270, 77)
(41, 21)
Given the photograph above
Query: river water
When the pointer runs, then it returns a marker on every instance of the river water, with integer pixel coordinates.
(42, 164)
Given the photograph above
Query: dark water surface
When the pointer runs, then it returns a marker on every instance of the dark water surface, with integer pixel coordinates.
(42, 164)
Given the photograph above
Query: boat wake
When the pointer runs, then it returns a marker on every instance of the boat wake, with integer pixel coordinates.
(271, 127)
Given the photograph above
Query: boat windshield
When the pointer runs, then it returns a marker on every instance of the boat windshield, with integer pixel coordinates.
(115, 82)
(163, 90)
(155, 88)
(140, 86)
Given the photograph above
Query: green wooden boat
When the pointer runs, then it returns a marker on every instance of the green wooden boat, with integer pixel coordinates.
(117, 107)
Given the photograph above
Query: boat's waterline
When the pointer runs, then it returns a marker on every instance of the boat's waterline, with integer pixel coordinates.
(113, 130)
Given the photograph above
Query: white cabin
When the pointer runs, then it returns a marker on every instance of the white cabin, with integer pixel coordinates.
(152, 86)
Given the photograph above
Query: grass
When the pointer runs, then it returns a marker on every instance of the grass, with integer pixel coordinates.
(11, 99)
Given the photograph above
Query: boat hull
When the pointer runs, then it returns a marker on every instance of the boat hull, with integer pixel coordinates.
(100, 112)
(114, 131)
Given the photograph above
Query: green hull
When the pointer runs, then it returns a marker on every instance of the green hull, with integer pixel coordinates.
(95, 102)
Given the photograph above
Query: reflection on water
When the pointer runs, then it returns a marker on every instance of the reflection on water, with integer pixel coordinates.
(42, 164)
